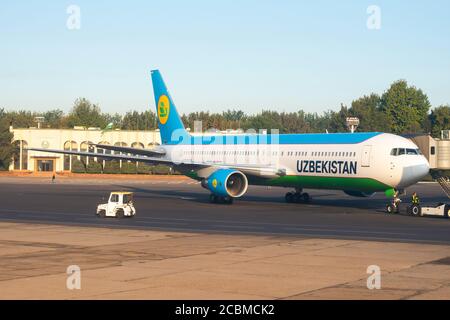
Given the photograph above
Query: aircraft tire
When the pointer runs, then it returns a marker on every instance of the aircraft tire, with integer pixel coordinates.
(390, 209)
(306, 197)
(289, 197)
(416, 211)
(297, 198)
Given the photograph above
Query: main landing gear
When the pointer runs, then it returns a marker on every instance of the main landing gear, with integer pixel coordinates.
(297, 197)
(219, 199)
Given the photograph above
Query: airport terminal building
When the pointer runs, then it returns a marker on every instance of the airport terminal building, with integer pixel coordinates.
(78, 138)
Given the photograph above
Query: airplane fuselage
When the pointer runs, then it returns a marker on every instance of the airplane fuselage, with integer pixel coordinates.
(365, 162)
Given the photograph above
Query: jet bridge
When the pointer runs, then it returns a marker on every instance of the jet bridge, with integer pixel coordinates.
(443, 181)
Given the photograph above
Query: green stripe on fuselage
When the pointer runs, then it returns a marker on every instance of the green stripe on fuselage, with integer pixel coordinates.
(315, 182)
(339, 183)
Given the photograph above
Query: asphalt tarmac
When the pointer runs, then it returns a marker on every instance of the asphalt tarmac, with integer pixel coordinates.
(183, 205)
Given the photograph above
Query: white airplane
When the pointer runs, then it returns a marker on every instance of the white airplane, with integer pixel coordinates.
(359, 164)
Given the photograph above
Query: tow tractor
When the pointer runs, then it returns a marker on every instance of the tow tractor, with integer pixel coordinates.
(120, 204)
(440, 210)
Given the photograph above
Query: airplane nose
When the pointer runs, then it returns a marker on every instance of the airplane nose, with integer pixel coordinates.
(423, 170)
(414, 173)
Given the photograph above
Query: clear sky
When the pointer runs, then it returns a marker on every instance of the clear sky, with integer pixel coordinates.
(215, 55)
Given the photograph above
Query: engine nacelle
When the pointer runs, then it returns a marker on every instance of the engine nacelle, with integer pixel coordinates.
(359, 194)
(226, 182)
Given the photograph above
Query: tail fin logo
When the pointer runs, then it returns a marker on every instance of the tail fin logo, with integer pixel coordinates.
(163, 109)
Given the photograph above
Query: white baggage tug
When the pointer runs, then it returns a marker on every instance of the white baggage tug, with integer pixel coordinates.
(120, 204)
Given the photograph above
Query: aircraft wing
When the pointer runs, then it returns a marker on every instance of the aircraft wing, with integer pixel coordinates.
(107, 156)
(143, 152)
(258, 171)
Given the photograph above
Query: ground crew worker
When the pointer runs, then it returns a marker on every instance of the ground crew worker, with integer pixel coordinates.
(415, 199)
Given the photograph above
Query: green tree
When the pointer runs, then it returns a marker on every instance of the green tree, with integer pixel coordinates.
(116, 119)
(337, 120)
(54, 118)
(233, 118)
(406, 107)
(86, 114)
(78, 166)
(21, 118)
(295, 122)
(134, 120)
(264, 120)
(439, 120)
(6, 146)
(371, 117)
(94, 167)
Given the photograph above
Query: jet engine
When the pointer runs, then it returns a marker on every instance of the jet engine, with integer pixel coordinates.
(226, 183)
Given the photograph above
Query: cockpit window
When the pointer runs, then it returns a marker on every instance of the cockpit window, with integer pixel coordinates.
(402, 151)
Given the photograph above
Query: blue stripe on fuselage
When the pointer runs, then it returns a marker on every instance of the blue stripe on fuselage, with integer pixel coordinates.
(304, 138)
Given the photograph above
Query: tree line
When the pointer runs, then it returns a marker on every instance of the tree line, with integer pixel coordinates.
(401, 109)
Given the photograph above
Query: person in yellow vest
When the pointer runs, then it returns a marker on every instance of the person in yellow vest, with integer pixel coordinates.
(415, 199)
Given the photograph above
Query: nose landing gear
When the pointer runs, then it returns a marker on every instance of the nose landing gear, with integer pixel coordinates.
(394, 206)
(297, 197)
